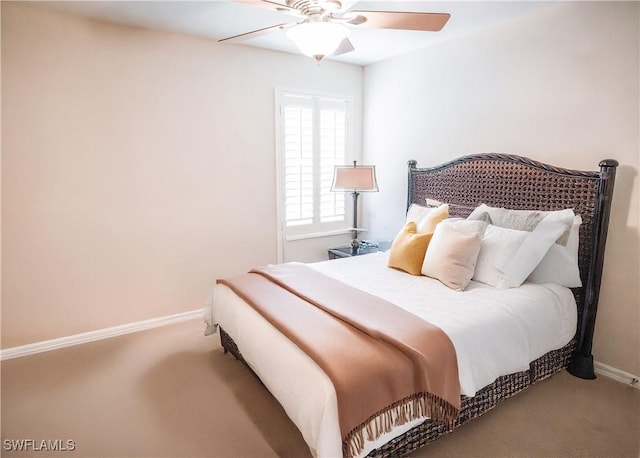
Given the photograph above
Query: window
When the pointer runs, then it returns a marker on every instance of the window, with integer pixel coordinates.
(313, 137)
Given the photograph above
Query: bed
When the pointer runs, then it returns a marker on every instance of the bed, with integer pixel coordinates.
(464, 184)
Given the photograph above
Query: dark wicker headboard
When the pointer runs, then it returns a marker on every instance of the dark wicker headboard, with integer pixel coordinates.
(509, 181)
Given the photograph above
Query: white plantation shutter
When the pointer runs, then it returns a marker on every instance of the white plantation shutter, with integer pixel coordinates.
(333, 119)
(298, 161)
(313, 134)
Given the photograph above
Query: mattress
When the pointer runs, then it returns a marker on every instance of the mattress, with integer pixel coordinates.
(494, 332)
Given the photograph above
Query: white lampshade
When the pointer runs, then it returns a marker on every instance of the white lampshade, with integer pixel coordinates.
(318, 39)
(361, 178)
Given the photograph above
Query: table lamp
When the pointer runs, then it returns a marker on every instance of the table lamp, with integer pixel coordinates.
(355, 179)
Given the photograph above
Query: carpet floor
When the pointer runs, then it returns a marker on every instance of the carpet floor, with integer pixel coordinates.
(171, 392)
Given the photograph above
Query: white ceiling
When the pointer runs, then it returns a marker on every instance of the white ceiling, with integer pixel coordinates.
(218, 19)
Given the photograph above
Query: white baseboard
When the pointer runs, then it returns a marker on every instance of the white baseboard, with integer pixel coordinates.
(106, 333)
(617, 374)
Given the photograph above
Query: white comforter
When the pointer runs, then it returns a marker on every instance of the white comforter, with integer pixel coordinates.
(495, 332)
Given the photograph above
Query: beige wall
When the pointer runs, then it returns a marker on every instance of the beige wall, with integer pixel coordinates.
(122, 198)
(561, 86)
(137, 167)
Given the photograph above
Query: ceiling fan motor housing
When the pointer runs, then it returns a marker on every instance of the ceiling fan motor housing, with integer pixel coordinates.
(315, 7)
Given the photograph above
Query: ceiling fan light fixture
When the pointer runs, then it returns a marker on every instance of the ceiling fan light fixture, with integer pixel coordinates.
(318, 39)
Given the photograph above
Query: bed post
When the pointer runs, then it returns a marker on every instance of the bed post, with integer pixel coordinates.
(581, 364)
(411, 164)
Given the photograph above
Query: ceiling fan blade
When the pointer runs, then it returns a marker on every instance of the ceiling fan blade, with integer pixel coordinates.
(357, 20)
(348, 18)
(430, 22)
(344, 47)
(267, 4)
(256, 33)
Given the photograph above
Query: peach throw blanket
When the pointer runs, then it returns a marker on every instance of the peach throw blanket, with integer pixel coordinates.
(387, 365)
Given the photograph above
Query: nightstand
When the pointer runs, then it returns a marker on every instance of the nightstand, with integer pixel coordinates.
(346, 251)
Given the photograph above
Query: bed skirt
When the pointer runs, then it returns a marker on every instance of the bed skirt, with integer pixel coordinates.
(484, 400)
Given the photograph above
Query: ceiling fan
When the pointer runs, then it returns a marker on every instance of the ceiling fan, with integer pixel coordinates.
(319, 27)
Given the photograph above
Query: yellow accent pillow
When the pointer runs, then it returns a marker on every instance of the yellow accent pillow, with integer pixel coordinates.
(427, 223)
(408, 249)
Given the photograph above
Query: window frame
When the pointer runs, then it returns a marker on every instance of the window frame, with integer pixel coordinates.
(317, 228)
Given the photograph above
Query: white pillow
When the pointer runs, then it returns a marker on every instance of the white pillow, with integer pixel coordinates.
(451, 255)
(508, 256)
(498, 245)
(560, 264)
(416, 212)
(426, 218)
(432, 202)
(522, 220)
